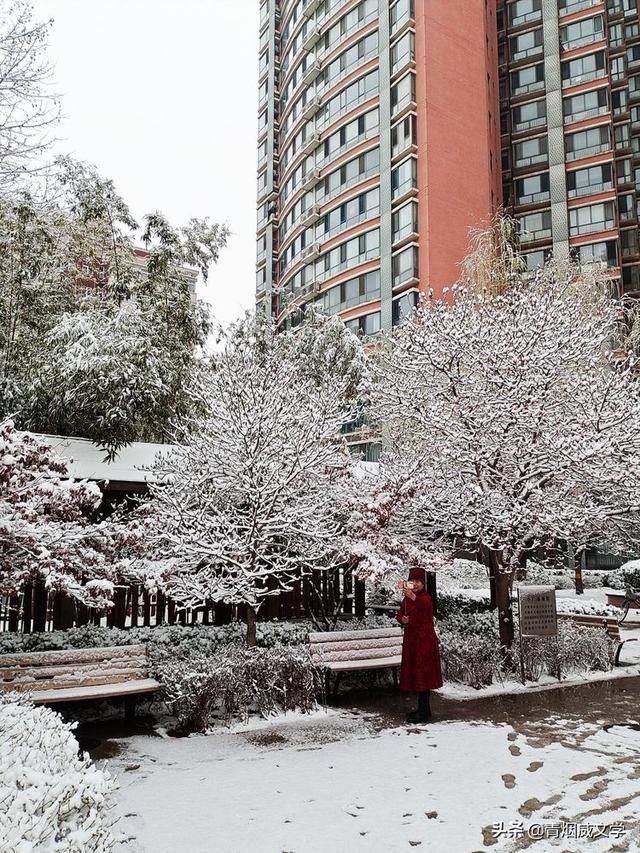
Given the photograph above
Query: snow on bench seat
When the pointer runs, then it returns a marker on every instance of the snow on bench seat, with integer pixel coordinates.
(341, 651)
(73, 674)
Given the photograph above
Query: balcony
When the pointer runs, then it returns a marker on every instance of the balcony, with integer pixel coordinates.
(311, 39)
(311, 108)
(311, 73)
(310, 144)
(311, 216)
(309, 8)
(310, 180)
(310, 253)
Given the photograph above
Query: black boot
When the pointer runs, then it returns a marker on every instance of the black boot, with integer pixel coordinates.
(423, 712)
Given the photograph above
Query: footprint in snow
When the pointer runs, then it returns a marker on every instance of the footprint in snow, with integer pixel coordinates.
(509, 780)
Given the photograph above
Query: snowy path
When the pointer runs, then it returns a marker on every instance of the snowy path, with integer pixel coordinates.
(336, 784)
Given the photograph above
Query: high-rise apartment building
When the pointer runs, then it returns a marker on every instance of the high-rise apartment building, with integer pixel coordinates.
(379, 147)
(570, 123)
(388, 128)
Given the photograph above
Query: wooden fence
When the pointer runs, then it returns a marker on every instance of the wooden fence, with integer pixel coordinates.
(36, 609)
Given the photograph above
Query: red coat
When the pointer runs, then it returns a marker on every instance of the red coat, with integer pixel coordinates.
(420, 668)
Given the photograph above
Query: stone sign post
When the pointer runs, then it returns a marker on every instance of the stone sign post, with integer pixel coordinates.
(537, 616)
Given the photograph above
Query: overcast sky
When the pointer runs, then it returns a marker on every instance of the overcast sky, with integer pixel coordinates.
(161, 96)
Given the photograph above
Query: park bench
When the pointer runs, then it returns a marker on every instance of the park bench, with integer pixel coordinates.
(351, 651)
(608, 623)
(75, 674)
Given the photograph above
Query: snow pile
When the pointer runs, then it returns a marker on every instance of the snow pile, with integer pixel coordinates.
(585, 607)
(50, 799)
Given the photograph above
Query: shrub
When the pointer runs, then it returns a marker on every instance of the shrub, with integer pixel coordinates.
(579, 648)
(236, 680)
(470, 649)
(50, 799)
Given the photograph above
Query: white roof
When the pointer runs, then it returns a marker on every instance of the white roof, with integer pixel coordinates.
(87, 461)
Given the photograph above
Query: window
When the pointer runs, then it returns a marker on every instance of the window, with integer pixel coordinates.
(594, 179)
(403, 134)
(604, 252)
(523, 11)
(592, 218)
(403, 93)
(404, 177)
(626, 207)
(356, 170)
(353, 94)
(530, 152)
(585, 105)
(369, 324)
(622, 136)
(585, 143)
(535, 226)
(617, 67)
(350, 134)
(352, 252)
(619, 103)
(624, 172)
(582, 32)
(568, 7)
(629, 244)
(526, 45)
(583, 69)
(530, 115)
(532, 189)
(349, 213)
(399, 14)
(403, 51)
(404, 306)
(355, 291)
(631, 279)
(530, 79)
(405, 221)
(405, 265)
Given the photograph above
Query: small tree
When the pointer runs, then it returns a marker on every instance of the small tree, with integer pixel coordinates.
(509, 427)
(28, 108)
(248, 499)
(92, 344)
(46, 534)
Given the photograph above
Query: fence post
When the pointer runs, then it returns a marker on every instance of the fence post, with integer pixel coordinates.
(27, 604)
(14, 611)
(347, 582)
(39, 606)
(360, 598)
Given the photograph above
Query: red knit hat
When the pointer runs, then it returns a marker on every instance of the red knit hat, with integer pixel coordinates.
(416, 574)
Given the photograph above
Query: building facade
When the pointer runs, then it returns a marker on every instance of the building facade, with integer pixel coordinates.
(570, 125)
(378, 149)
(388, 128)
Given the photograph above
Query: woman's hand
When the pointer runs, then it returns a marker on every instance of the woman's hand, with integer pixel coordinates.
(405, 620)
(409, 593)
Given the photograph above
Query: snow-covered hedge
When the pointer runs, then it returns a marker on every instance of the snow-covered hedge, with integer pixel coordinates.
(236, 681)
(470, 649)
(172, 640)
(50, 798)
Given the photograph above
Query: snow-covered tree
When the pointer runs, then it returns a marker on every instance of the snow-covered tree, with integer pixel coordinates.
(45, 529)
(508, 427)
(92, 343)
(248, 501)
(28, 107)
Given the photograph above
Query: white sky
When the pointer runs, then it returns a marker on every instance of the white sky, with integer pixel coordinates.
(161, 96)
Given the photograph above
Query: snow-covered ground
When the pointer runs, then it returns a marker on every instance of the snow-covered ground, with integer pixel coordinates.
(343, 783)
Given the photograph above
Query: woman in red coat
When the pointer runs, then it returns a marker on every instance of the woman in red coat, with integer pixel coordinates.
(420, 668)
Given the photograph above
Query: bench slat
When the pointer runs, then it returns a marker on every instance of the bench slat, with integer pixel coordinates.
(320, 656)
(72, 656)
(86, 681)
(138, 665)
(349, 645)
(353, 665)
(104, 691)
(340, 636)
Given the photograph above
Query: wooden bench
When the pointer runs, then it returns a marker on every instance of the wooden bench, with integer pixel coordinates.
(350, 651)
(75, 674)
(608, 623)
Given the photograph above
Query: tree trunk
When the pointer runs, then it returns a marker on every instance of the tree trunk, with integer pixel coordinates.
(505, 611)
(252, 623)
